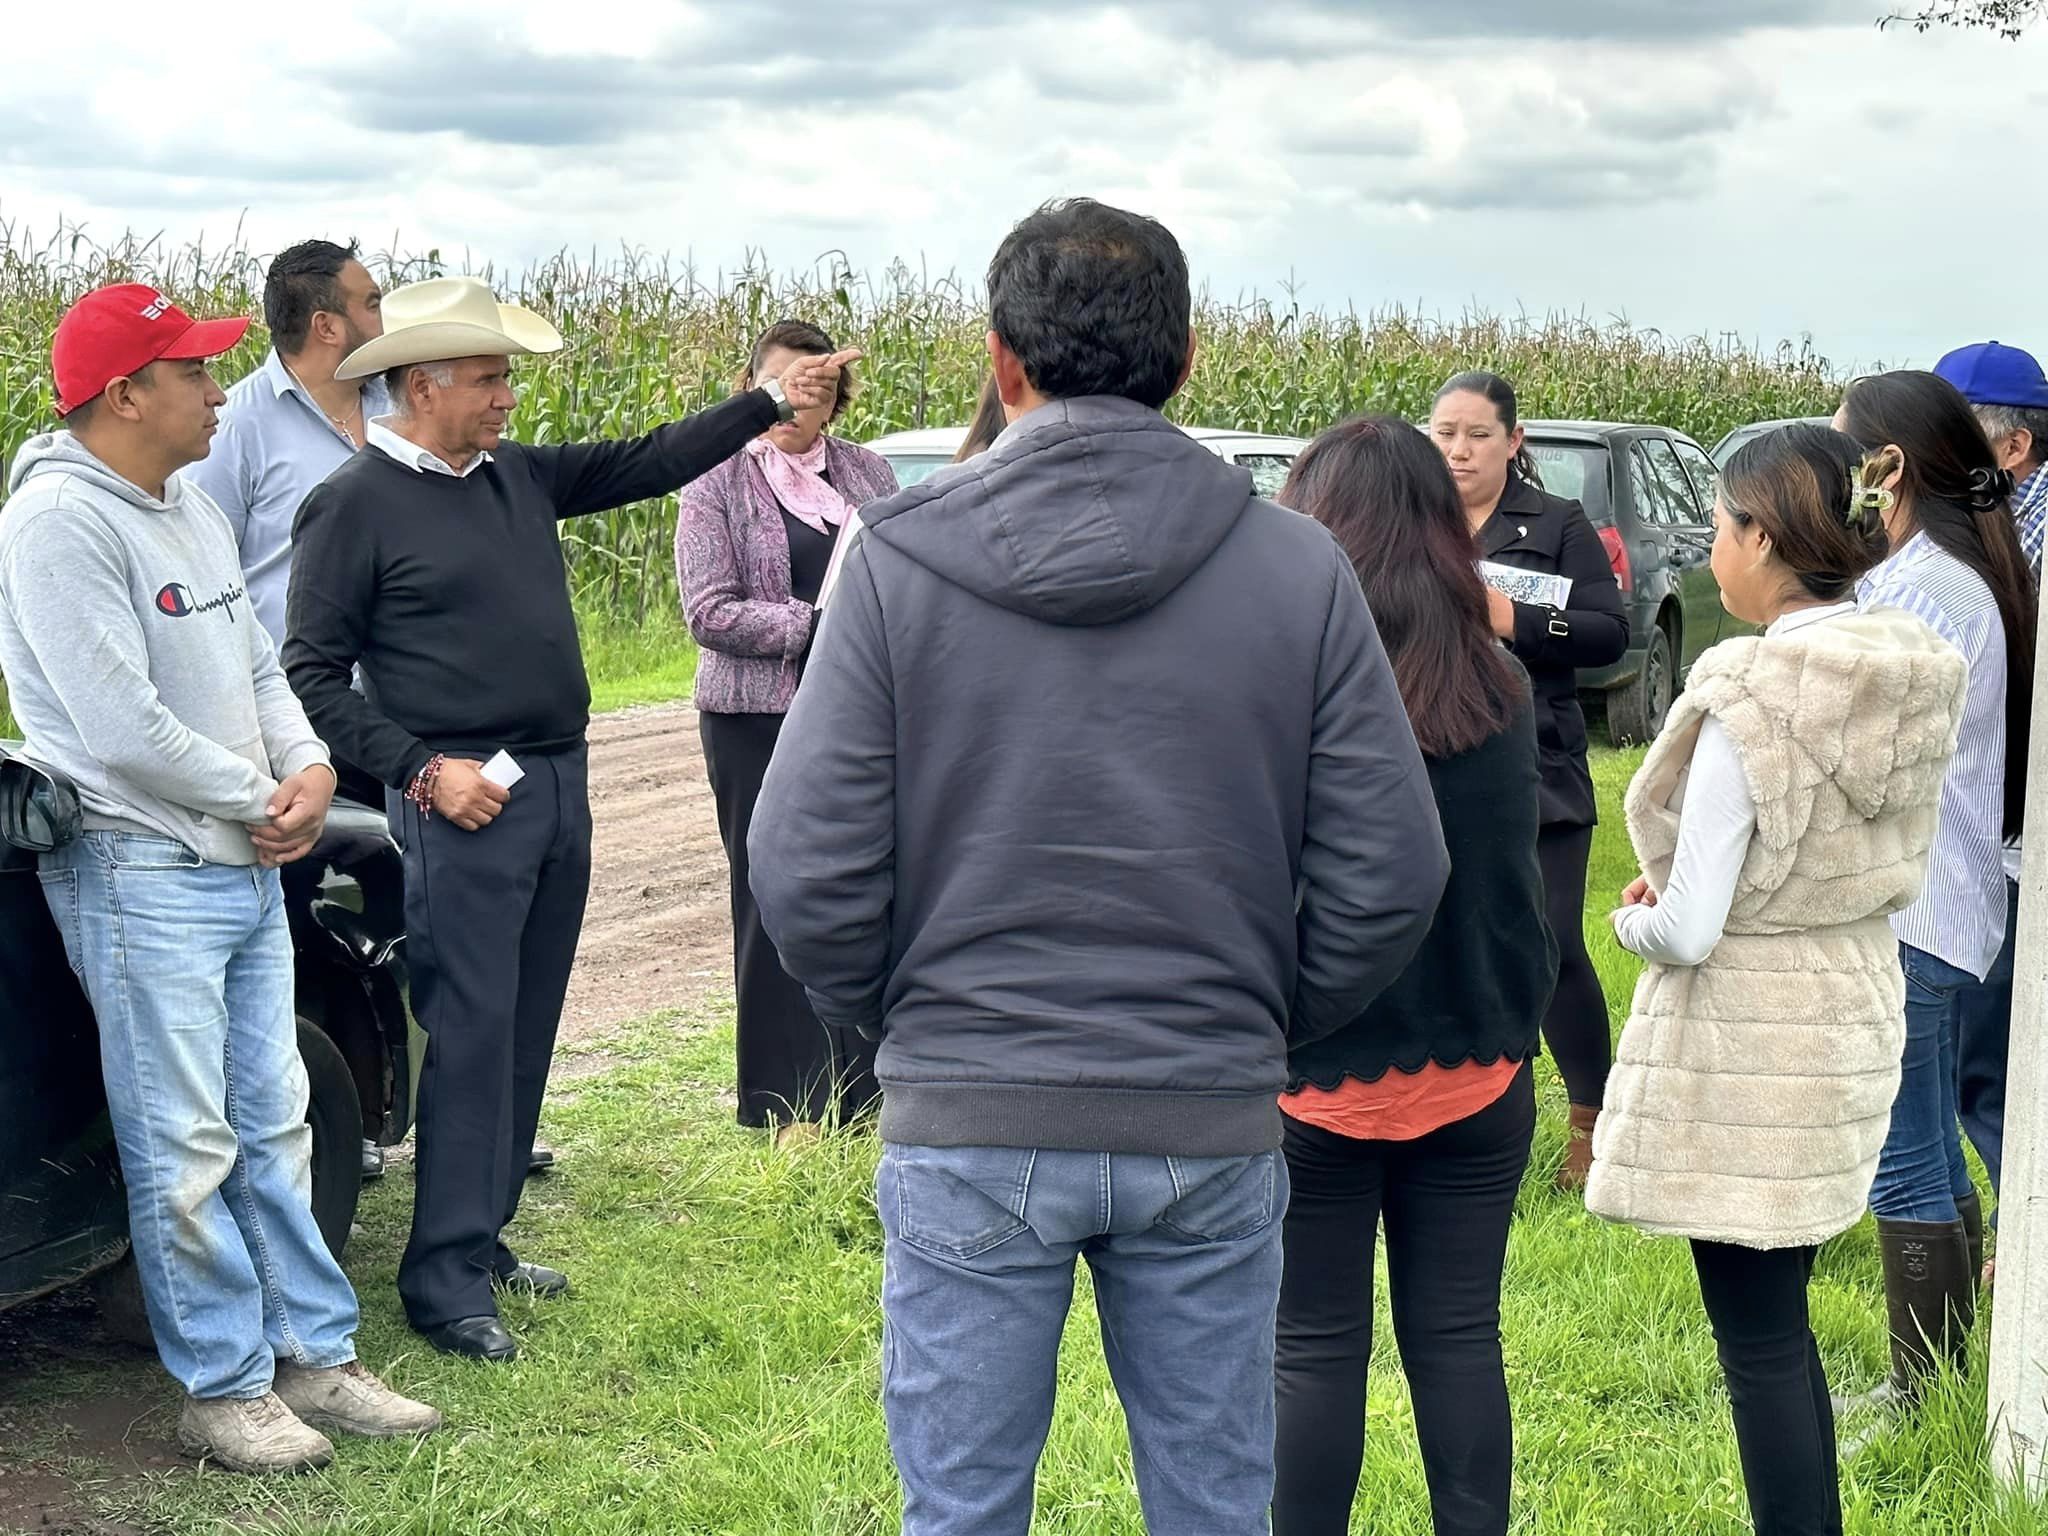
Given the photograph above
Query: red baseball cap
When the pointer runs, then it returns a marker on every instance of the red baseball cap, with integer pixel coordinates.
(119, 330)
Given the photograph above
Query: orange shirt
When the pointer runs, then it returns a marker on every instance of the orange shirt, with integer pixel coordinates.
(1402, 1105)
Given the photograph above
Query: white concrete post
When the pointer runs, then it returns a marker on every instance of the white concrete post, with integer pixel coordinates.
(2019, 1329)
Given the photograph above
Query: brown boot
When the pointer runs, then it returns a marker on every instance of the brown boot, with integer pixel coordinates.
(1930, 1299)
(1578, 1148)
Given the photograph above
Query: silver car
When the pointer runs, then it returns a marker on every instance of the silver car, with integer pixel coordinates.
(916, 455)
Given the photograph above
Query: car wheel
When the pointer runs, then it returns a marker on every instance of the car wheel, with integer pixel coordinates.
(117, 1293)
(336, 1116)
(1636, 710)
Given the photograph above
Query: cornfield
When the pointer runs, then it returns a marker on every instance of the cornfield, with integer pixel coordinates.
(652, 339)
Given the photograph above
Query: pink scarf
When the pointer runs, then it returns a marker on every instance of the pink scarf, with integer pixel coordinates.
(797, 481)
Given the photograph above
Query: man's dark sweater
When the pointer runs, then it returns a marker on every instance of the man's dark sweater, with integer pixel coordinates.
(451, 593)
(1097, 792)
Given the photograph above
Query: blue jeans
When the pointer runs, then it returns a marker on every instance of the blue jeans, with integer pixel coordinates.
(1983, 1042)
(1921, 1172)
(188, 966)
(978, 1275)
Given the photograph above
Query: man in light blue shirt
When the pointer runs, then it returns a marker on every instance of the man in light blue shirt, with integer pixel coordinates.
(289, 424)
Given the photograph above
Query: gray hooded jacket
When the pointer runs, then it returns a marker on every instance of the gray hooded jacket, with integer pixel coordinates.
(1098, 791)
(133, 659)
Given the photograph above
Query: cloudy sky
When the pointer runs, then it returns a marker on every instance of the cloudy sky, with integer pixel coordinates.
(1769, 168)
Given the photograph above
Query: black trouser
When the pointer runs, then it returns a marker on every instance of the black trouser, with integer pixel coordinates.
(1784, 1426)
(1576, 1028)
(1447, 1199)
(791, 1067)
(492, 918)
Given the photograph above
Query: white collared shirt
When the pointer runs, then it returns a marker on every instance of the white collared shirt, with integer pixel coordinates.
(409, 453)
(1717, 819)
(1960, 916)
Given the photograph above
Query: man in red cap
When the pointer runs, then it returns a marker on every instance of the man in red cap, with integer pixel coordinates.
(136, 666)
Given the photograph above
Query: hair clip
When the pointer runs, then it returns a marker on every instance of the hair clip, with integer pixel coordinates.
(1866, 500)
(1990, 487)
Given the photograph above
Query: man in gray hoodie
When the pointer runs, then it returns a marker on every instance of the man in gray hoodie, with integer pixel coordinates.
(1098, 792)
(136, 665)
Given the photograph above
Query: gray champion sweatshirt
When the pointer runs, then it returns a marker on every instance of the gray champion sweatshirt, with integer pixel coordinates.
(134, 661)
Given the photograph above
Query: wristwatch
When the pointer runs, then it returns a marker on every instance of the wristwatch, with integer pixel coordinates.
(772, 388)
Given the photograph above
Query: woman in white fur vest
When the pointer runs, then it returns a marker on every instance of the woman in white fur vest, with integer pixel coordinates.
(1783, 814)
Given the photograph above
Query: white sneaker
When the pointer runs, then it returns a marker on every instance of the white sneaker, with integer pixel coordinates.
(255, 1435)
(349, 1400)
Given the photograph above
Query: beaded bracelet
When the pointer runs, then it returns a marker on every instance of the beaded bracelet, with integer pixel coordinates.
(421, 790)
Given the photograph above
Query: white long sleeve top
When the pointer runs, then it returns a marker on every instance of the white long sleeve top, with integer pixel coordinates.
(1717, 818)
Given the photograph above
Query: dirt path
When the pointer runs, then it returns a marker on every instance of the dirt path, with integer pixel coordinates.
(658, 934)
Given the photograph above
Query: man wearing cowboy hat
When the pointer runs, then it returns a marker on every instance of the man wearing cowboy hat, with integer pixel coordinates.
(433, 563)
(139, 669)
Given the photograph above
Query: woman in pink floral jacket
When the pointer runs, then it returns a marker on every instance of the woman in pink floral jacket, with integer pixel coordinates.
(752, 544)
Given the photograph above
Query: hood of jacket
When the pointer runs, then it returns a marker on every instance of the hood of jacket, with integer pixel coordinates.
(60, 453)
(1087, 511)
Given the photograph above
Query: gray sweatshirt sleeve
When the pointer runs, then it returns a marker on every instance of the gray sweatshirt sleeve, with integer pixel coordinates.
(67, 581)
(1373, 864)
(823, 845)
(288, 736)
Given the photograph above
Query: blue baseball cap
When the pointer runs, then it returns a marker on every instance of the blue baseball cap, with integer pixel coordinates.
(1989, 373)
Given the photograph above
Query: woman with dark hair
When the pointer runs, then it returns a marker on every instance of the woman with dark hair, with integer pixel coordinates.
(987, 426)
(1419, 1113)
(1785, 811)
(1516, 523)
(1956, 563)
(752, 543)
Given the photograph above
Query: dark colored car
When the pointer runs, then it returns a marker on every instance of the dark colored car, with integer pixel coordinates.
(1725, 449)
(63, 1212)
(1650, 492)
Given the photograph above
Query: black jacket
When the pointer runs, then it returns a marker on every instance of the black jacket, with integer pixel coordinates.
(1536, 531)
(1478, 988)
(1098, 790)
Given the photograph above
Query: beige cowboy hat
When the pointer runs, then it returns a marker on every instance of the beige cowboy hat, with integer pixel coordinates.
(444, 318)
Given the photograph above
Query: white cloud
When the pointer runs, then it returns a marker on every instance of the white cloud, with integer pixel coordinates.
(1764, 166)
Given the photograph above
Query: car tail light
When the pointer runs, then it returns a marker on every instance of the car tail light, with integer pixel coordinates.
(1617, 556)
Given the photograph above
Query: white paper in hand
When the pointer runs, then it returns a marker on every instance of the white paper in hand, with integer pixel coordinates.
(1539, 588)
(502, 771)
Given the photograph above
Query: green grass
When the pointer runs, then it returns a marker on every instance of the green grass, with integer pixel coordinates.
(716, 1369)
(632, 664)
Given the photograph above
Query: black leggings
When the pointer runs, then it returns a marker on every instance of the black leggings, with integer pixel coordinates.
(1447, 1199)
(1784, 1426)
(1576, 1028)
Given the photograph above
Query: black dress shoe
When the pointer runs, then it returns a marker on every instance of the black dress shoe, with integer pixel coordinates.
(478, 1338)
(536, 1280)
(540, 1160)
(373, 1160)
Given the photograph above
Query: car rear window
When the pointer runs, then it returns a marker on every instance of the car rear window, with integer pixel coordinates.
(1269, 471)
(1575, 471)
(913, 467)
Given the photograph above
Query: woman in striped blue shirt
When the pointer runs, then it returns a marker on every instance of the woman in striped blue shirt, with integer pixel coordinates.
(1956, 564)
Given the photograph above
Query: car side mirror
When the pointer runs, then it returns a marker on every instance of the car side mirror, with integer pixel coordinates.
(39, 807)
